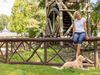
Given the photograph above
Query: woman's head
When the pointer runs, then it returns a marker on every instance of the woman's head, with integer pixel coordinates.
(77, 15)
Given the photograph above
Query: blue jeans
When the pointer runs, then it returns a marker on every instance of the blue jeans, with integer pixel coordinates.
(78, 37)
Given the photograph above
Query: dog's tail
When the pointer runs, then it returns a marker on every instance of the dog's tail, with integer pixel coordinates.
(57, 67)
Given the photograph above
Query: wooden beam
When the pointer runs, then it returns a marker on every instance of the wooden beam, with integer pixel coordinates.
(67, 11)
(72, 10)
(59, 2)
(49, 3)
(88, 20)
(67, 32)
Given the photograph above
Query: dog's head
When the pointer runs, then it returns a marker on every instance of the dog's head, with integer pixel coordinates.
(81, 58)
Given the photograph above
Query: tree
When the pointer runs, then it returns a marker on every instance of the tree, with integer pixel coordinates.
(4, 20)
(24, 11)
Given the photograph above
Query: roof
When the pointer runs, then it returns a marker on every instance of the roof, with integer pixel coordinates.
(6, 33)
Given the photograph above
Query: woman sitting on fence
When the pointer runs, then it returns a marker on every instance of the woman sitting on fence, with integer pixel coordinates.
(79, 31)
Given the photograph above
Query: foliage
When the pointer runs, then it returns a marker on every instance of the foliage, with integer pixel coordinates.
(96, 13)
(95, 17)
(26, 14)
(3, 21)
(42, 3)
(32, 31)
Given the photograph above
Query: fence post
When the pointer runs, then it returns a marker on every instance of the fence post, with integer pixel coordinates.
(6, 61)
(45, 52)
(95, 54)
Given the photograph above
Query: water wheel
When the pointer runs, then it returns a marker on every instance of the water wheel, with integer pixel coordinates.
(53, 25)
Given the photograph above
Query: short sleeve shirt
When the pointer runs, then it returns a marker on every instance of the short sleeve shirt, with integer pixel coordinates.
(79, 25)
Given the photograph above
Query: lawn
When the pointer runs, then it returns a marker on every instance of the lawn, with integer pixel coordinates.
(8, 69)
(17, 69)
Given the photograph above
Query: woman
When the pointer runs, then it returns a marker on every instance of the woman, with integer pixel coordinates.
(80, 31)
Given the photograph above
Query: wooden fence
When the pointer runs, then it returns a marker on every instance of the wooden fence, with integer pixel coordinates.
(45, 51)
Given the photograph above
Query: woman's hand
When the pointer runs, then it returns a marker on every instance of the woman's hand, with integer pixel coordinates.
(87, 37)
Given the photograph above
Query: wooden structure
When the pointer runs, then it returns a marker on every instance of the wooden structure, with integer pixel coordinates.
(59, 16)
(29, 51)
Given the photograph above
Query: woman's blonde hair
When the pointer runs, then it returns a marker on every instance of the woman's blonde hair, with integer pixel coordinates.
(76, 13)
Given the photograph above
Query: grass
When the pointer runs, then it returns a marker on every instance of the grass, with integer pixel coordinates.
(8, 69)
(26, 54)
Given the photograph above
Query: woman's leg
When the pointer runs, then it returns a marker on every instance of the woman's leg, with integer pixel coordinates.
(75, 40)
(78, 50)
(75, 37)
(80, 40)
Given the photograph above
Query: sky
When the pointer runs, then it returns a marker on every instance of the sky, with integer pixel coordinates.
(94, 1)
(6, 6)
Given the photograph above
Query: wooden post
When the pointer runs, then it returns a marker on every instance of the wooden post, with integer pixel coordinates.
(61, 19)
(46, 27)
(45, 52)
(96, 61)
(88, 20)
(6, 52)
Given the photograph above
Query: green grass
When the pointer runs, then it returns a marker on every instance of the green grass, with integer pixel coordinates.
(8, 69)
(26, 54)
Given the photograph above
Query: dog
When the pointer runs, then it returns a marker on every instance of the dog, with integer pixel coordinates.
(78, 63)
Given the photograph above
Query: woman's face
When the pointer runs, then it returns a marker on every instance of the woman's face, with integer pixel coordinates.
(78, 15)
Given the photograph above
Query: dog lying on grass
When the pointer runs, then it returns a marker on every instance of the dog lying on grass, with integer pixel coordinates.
(78, 63)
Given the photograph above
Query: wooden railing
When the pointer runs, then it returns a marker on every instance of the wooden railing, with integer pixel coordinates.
(44, 51)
